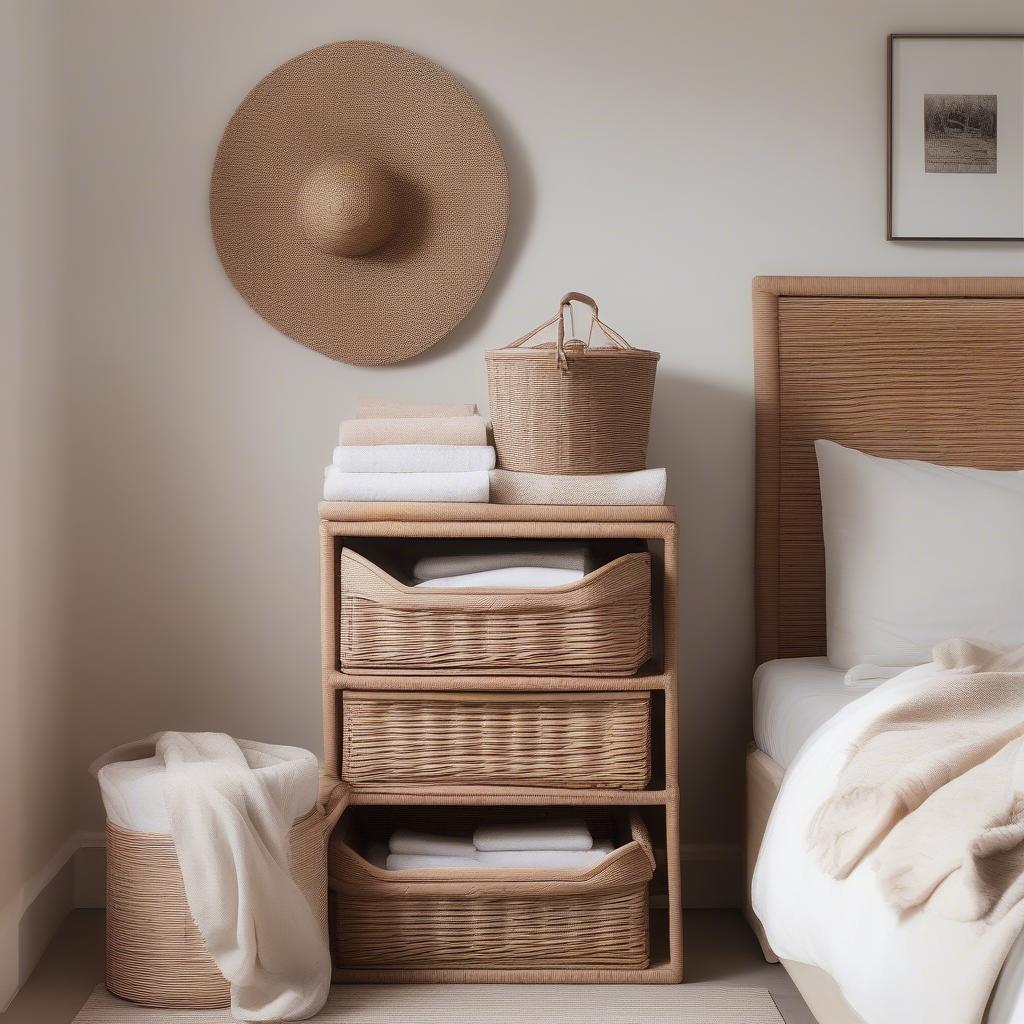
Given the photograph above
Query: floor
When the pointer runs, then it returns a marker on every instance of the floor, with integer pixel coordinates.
(718, 946)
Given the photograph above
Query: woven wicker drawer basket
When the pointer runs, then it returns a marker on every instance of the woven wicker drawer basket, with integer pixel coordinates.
(495, 920)
(599, 626)
(583, 740)
(155, 954)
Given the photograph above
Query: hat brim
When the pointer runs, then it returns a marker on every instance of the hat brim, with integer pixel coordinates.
(367, 98)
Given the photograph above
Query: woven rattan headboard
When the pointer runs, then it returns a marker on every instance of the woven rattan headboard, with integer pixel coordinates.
(924, 368)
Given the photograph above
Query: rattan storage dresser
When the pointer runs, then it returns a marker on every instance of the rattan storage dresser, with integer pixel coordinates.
(433, 750)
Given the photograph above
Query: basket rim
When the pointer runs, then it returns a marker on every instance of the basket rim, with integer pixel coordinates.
(587, 580)
(538, 352)
(498, 696)
(453, 880)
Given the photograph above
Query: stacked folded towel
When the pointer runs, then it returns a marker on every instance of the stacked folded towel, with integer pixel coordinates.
(644, 487)
(534, 564)
(545, 846)
(410, 451)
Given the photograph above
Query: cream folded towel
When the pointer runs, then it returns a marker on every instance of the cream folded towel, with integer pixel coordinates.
(394, 408)
(339, 486)
(534, 577)
(470, 430)
(413, 458)
(405, 840)
(567, 834)
(482, 556)
(645, 487)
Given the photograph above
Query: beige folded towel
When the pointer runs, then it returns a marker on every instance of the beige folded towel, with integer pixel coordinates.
(394, 408)
(415, 430)
(645, 487)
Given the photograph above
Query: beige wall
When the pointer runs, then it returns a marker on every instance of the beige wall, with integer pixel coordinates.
(35, 709)
(660, 155)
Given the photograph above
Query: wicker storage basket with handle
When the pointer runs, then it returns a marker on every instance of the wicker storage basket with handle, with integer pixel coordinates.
(570, 407)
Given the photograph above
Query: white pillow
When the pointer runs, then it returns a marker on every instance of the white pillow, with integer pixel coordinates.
(917, 553)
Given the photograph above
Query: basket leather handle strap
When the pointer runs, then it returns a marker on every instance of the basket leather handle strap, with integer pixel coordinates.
(559, 318)
(531, 334)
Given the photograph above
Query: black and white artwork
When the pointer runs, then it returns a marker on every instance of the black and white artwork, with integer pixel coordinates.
(960, 133)
(956, 138)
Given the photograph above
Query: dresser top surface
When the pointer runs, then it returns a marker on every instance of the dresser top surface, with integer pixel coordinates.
(428, 511)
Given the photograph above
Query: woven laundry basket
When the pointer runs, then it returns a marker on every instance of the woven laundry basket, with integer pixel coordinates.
(598, 626)
(569, 407)
(493, 919)
(569, 740)
(155, 954)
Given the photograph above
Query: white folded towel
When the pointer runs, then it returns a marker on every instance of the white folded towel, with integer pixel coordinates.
(133, 780)
(568, 834)
(405, 840)
(413, 458)
(543, 860)
(461, 487)
(230, 820)
(644, 487)
(482, 555)
(424, 862)
(534, 576)
(514, 860)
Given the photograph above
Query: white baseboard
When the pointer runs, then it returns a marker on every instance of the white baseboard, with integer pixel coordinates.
(30, 920)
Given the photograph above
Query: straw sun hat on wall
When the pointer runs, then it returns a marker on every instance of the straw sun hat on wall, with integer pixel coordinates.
(359, 200)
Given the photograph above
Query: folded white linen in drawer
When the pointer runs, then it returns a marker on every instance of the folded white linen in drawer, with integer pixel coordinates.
(567, 834)
(518, 576)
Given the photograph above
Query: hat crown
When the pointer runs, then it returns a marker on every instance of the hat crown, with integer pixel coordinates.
(349, 206)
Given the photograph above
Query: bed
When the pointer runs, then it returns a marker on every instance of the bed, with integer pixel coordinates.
(921, 368)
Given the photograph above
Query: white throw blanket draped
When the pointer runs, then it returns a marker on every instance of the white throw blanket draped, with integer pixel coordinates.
(230, 826)
(894, 857)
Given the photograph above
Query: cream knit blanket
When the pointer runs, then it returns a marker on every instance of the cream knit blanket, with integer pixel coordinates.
(935, 786)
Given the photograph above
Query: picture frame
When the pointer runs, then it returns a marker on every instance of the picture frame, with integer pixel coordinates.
(955, 137)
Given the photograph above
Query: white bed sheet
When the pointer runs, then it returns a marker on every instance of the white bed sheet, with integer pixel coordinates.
(792, 697)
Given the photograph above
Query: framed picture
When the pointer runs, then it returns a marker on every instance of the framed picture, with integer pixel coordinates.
(956, 137)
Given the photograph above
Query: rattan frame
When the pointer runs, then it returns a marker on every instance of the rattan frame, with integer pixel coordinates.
(340, 520)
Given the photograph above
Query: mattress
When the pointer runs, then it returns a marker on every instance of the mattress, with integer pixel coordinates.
(792, 698)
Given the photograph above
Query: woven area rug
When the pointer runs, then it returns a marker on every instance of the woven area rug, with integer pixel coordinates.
(491, 1004)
